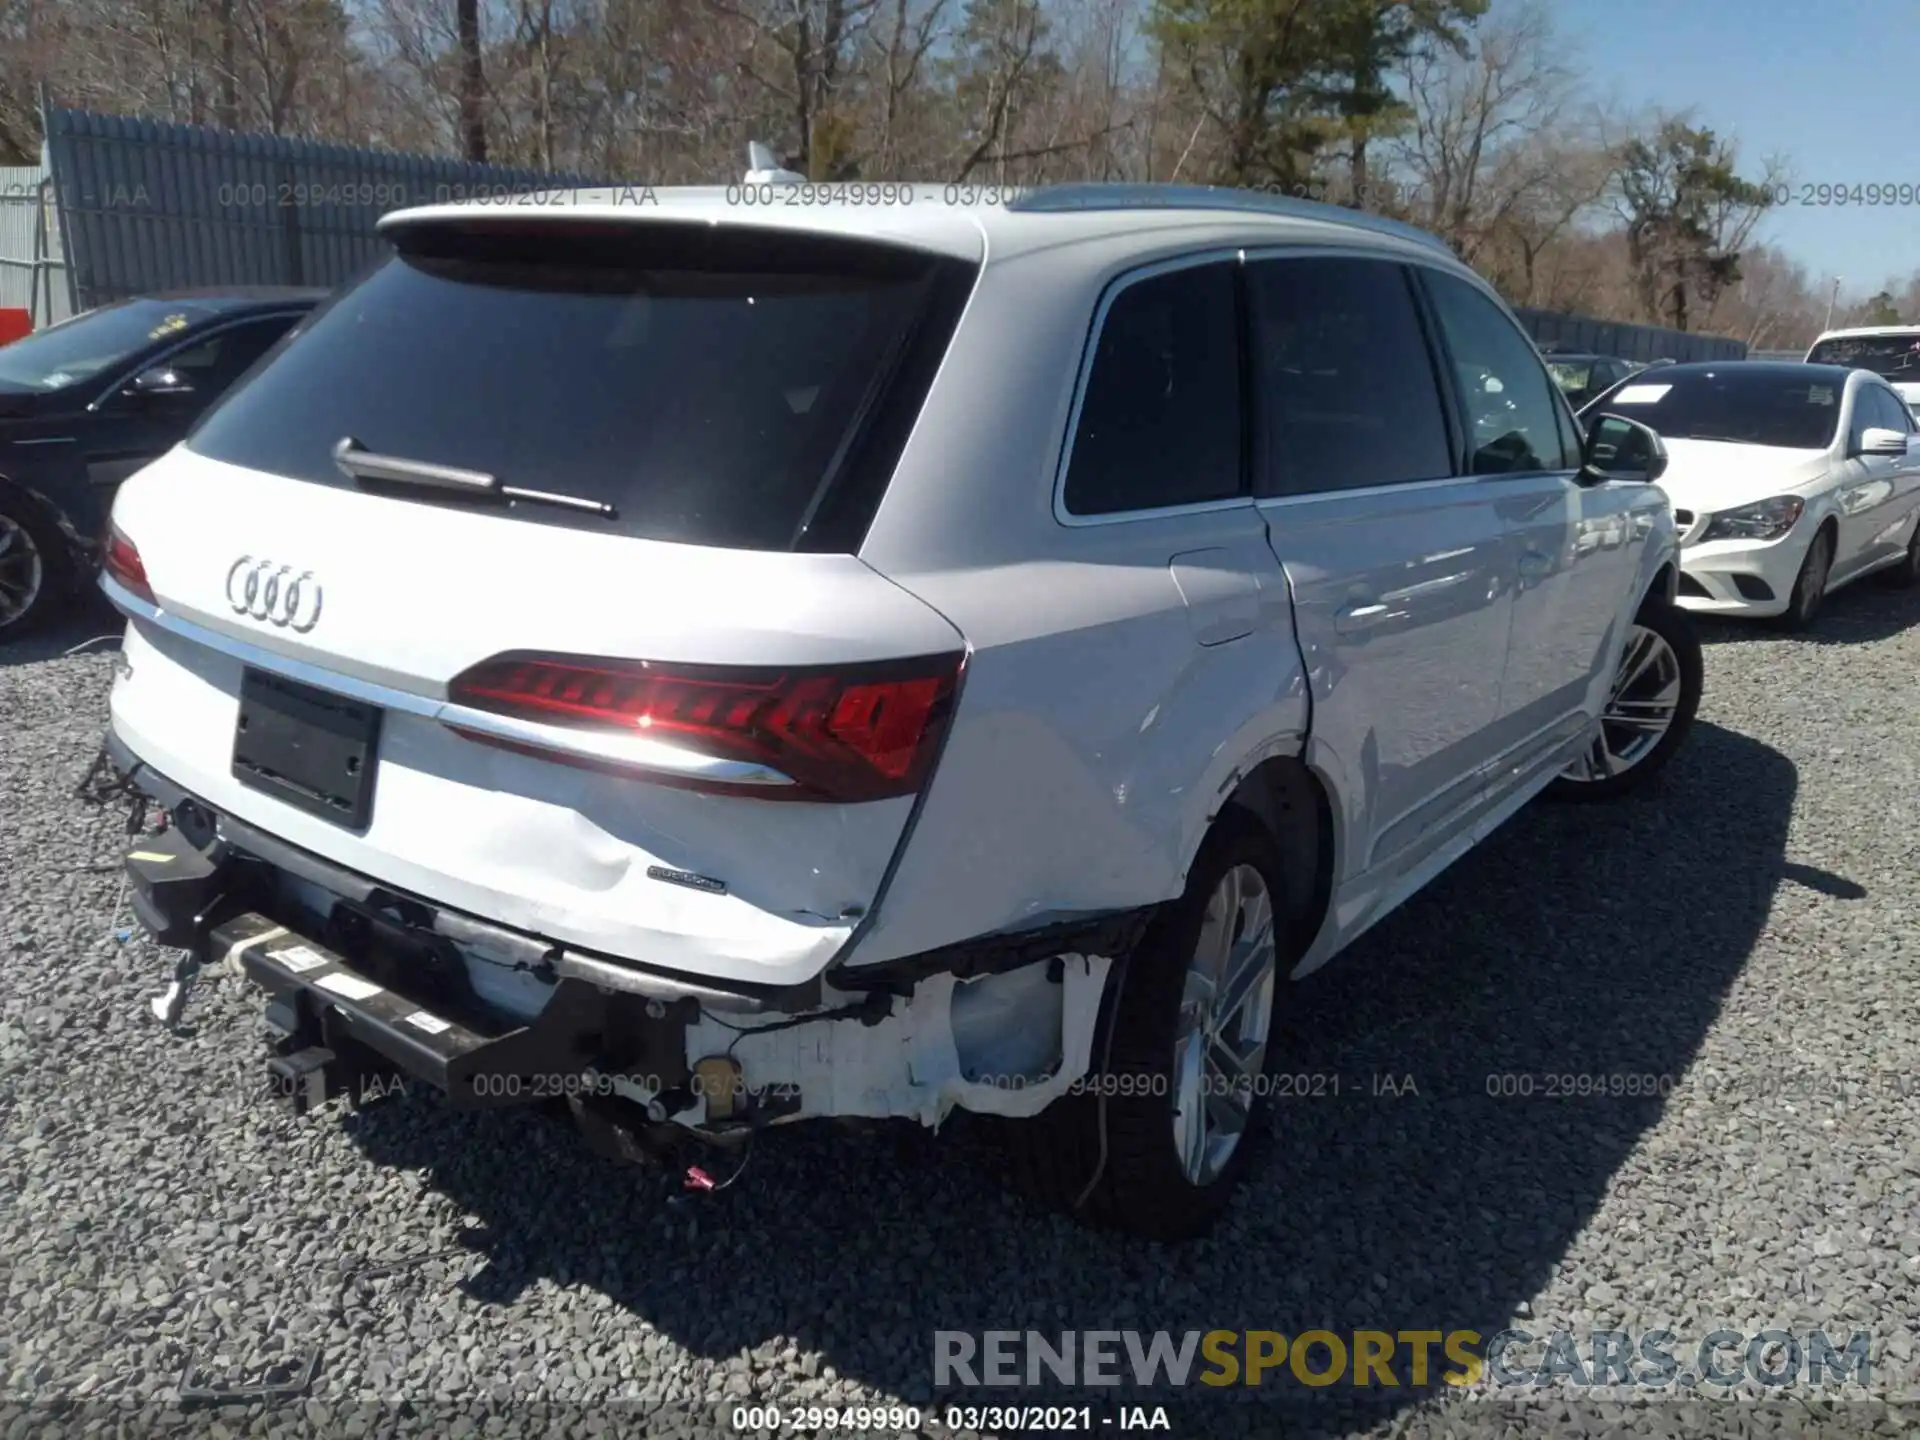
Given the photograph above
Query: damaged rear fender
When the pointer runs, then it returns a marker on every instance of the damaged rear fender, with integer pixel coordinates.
(1006, 1044)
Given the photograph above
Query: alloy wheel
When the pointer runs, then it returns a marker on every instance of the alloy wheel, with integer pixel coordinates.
(1226, 1013)
(1639, 711)
(22, 571)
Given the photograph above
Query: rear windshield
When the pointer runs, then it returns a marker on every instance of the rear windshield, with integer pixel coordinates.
(1894, 357)
(714, 387)
(1745, 406)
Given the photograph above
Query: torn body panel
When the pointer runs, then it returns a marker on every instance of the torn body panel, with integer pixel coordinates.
(1004, 1026)
(1004, 1044)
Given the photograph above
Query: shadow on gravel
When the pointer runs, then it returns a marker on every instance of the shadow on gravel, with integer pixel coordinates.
(1578, 942)
(89, 619)
(1862, 613)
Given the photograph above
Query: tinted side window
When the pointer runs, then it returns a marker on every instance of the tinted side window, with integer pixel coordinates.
(1889, 412)
(1571, 442)
(1863, 419)
(218, 361)
(1345, 378)
(1867, 413)
(1160, 420)
(1512, 427)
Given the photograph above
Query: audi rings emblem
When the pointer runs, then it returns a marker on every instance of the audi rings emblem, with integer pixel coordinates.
(278, 594)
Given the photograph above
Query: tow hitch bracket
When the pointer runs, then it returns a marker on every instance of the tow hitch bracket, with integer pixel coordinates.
(346, 1030)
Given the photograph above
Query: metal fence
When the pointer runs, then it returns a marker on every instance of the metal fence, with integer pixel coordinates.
(32, 269)
(1645, 343)
(146, 206)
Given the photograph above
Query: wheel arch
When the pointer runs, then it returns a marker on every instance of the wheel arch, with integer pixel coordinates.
(1665, 584)
(31, 503)
(1284, 796)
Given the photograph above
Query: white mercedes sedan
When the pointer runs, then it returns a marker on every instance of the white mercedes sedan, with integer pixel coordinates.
(1787, 480)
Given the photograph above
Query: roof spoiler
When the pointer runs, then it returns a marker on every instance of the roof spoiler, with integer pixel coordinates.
(764, 167)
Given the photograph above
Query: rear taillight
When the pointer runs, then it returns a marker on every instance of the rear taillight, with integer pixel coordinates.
(122, 562)
(842, 733)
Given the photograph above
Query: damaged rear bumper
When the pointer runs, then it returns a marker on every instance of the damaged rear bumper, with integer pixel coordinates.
(364, 984)
(333, 1019)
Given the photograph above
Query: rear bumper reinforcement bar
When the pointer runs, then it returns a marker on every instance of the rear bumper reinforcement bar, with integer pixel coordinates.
(334, 1018)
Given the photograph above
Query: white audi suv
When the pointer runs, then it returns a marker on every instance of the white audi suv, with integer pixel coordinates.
(713, 664)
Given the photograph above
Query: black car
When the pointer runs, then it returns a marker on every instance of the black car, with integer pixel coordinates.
(1584, 376)
(85, 403)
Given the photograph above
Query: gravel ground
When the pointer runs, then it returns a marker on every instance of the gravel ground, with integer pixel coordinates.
(1745, 930)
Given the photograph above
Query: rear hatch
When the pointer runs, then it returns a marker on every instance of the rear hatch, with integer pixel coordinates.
(525, 579)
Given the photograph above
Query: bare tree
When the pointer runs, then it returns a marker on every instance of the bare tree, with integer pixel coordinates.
(35, 36)
(227, 115)
(1480, 126)
(1001, 67)
(904, 39)
(473, 81)
(1500, 151)
(801, 53)
(1773, 305)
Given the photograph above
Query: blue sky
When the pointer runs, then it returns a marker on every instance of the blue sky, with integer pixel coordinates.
(1831, 86)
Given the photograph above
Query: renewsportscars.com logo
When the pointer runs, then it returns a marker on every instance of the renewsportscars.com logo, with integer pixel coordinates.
(1388, 1359)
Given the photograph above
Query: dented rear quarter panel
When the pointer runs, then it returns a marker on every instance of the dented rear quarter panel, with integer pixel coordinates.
(1095, 736)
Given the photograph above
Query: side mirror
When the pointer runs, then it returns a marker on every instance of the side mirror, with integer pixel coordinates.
(1621, 449)
(1876, 441)
(161, 382)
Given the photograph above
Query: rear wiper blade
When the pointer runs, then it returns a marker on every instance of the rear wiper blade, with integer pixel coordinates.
(359, 463)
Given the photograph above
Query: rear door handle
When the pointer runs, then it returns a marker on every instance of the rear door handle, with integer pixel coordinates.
(1360, 616)
(1535, 565)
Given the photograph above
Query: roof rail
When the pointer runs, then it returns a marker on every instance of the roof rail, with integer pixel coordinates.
(1054, 199)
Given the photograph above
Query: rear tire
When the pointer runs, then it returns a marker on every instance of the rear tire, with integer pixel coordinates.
(1661, 675)
(1810, 585)
(34, 571)
(1163, 1176)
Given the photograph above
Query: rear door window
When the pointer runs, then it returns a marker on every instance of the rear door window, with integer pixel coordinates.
(1159, 422)
(712, 386)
